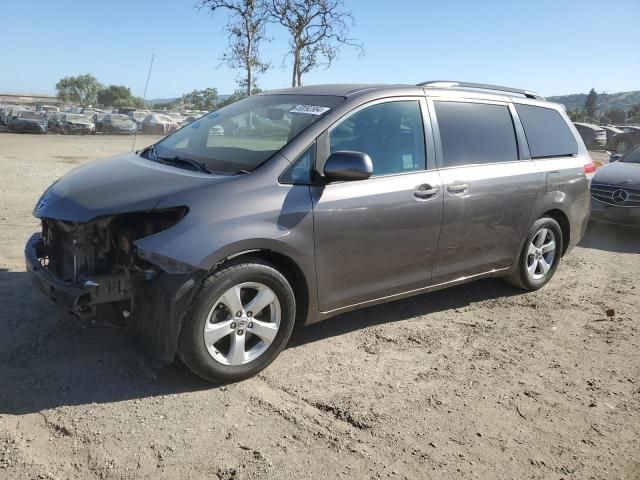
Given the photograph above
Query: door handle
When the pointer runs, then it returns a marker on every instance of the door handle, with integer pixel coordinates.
(458, 188)
(425, 191)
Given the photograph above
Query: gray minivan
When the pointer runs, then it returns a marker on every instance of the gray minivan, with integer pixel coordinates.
(296, 205)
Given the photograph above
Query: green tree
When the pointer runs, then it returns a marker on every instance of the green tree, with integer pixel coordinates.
(317, 29)
(634, 114)
(615, 116)
(82, 89)
(202, 99)
(246, 28)
(118, 96)
(591, 104)
(577, 115)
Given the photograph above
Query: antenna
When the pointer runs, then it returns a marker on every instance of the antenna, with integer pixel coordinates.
(144, 97)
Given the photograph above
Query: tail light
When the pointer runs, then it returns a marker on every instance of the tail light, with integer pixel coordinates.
(590, 167)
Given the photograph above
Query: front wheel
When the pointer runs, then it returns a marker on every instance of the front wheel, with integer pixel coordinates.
(238, 323)
(540, 255)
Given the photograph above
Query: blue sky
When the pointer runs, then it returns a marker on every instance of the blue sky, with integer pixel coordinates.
(554, 47)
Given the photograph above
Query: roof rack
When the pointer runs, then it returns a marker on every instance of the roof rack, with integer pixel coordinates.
(480, 86)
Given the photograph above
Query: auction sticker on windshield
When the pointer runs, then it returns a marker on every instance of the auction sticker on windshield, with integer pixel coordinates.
(309, 109)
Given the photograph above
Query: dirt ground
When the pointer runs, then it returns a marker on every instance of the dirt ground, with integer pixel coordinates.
(478, 381)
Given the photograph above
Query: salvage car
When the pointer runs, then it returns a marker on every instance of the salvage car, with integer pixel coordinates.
(118, 123)
(317, 200)
(611, 132)
(28, 122)
(625, 141)
(76, 123)
(159, 124)
(593, 136)
(615, 190)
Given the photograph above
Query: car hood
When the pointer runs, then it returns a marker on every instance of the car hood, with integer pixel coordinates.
(619, 173)
(125, 183)
(80, 123)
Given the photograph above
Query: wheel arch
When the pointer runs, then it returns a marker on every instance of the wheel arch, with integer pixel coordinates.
(287, 267)
(565, 227)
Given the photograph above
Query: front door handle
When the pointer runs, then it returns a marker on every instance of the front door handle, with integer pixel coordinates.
(425, 191)
(458, 188)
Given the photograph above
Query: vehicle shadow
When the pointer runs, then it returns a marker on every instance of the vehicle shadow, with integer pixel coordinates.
(405, 309)
(613, 238)
(48, 360)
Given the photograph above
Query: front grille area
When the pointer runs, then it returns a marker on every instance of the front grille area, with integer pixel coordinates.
(74, 250)
(616, 195)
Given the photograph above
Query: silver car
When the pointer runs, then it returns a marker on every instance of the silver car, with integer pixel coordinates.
(315, 201)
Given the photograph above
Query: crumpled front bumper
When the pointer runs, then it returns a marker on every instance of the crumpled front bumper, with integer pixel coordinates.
(76, 297)
(159, 304)
(67, 295)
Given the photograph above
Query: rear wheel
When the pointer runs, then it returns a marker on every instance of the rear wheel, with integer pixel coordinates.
(540, 255)
(623, 146)
(238, 323)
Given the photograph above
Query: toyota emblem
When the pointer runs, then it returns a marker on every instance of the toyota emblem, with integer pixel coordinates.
(620, 196)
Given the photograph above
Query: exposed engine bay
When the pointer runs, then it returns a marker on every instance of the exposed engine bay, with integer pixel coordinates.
(85, 266)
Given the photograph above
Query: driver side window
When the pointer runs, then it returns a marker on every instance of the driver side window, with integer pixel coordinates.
(392, 134)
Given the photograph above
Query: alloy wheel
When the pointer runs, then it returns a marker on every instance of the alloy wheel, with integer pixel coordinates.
(242, 323)
(541, 253)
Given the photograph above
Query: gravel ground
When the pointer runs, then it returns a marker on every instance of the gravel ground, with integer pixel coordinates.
(478, 381)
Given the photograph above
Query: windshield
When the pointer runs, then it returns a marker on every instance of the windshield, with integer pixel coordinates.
(245, 134)
(632, 157)
(119, 118)
(75, 117)
(31, 115)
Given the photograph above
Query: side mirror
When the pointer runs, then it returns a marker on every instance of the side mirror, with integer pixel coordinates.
(348, 166)
(614, 157)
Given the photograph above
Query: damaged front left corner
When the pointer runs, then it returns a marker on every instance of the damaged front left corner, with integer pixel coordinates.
(84, 266)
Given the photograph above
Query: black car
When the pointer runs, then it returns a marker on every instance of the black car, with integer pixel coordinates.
(29, 122)
(615, 191)
(625, 141)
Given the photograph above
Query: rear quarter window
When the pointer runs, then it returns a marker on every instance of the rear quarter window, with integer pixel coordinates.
(548, 134)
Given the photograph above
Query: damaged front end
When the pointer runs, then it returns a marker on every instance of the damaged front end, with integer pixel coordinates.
(92, 266)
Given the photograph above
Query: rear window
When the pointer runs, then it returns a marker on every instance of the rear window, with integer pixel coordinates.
(548, 135)
(475, 133)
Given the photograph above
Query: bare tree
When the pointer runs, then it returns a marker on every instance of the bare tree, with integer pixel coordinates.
(318, 28)
(247, 20)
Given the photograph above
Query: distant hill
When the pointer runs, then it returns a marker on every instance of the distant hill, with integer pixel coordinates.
(155, 101)
(622, 100)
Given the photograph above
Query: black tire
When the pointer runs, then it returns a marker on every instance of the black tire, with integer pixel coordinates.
(623, 145)
(522, 278)
(192, 349)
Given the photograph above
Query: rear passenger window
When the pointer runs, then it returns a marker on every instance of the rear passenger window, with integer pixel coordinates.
(392, 134)
(548, 134)
(475, 133)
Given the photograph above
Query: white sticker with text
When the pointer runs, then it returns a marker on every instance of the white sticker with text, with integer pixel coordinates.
(309, 109)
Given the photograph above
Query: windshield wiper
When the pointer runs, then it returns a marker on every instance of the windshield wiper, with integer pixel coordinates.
(199, 166)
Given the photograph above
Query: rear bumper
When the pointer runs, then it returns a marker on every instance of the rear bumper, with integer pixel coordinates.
(625, 216)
